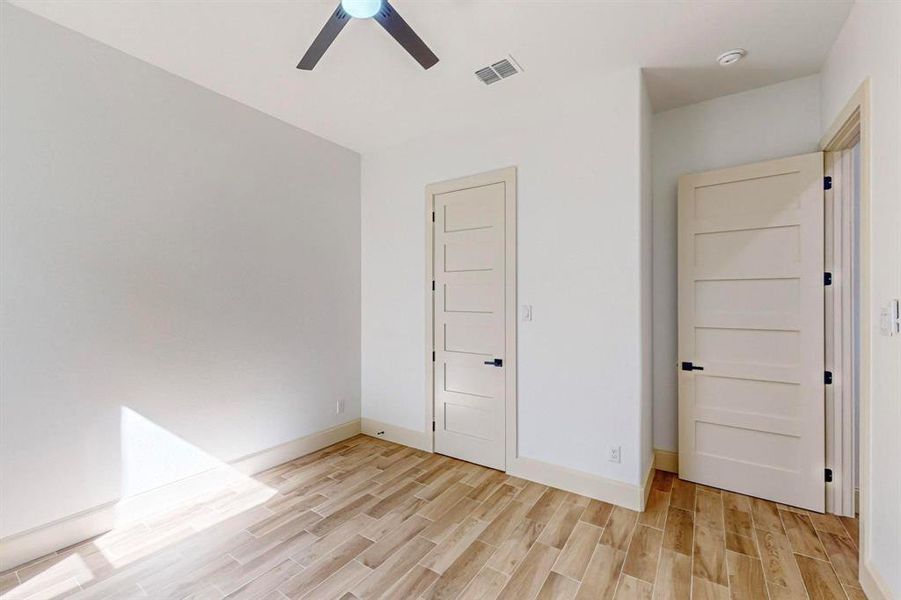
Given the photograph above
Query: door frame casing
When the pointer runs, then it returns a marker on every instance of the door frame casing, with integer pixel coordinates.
(851, 122)
(507, 176)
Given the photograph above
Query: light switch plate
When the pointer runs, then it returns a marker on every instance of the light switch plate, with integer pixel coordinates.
(890, 318)
(526, 312)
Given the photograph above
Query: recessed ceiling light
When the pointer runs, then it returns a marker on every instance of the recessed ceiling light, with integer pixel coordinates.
(730, 57)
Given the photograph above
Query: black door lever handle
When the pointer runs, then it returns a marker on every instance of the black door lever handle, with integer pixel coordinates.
(497, 362)
(687, 366)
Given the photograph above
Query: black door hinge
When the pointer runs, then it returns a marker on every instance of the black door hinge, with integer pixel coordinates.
(433, 356)
(827, 278)
(687, 366)
(433, 425)
(433, 214)
(433, 285)
(828, 475)
(827, 183)
(827, 377)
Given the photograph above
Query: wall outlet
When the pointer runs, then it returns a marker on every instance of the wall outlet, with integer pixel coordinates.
(339, 407)
(614, 454)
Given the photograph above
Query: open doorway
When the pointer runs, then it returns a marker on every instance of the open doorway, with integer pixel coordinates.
(751, 330)
(849, 130)
(731, 303)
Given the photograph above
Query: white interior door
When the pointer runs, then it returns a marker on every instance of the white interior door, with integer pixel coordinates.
(751, 379)
(470, 323)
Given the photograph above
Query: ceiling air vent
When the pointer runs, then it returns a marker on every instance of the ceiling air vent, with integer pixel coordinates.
(499, 70)
(487, 75)
(504, 68)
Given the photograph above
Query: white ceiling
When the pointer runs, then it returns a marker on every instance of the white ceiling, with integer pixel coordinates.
(368, 93)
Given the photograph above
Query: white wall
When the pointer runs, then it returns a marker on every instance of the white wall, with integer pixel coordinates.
(174, 265)
(578, 266)
(869, 45)
(769, 122)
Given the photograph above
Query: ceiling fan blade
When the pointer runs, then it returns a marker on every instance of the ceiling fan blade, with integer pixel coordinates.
(329, 32)
(405, 36)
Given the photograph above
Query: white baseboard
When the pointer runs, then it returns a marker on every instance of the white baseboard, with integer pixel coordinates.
(648, 482)
(666, 460)
(137, 507)
(564, 478)
(580, 482)
(22, 547)
(874, 586)
(258, 462)
(421, 440)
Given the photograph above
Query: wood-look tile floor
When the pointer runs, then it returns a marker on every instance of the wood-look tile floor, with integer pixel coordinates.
(370, 519)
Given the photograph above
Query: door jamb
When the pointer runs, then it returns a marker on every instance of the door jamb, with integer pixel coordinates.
(507, 176)
(851, 122)
(841, 302)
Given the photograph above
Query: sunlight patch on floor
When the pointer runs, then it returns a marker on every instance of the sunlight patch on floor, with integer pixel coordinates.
(167, 479)
(61, 578)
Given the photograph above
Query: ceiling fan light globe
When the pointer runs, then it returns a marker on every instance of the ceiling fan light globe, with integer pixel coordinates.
(361, 9)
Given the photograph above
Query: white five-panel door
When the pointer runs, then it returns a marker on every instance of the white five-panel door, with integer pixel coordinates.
(470, 323)
(751, 378)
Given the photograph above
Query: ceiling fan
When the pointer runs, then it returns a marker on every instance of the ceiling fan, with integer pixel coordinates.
(387, 17)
